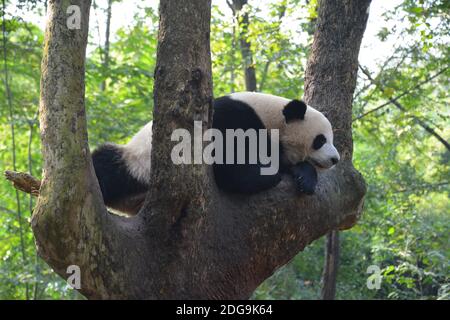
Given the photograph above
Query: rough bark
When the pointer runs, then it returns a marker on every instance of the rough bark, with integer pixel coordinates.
(331, 264)
(190, 241)
(24, 182)
(333, 65)
(330, 77)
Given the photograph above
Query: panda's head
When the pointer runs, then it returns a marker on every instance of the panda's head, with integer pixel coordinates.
(307, 135)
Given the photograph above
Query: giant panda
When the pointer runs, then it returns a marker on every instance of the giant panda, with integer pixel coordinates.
(305, 145)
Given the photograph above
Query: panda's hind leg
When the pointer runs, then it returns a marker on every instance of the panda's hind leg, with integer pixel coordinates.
(120, 190)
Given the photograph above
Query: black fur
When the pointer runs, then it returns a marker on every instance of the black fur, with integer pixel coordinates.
(294, 110)
(319, 141)
(305, 177)
(116, 183)
(240, 178)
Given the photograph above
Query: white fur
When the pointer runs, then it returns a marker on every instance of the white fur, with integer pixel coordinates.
(323, 156)
(297, 136)
(137, 153)
(316, 123)
(268, 107)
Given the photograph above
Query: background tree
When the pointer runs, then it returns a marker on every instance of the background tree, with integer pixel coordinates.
(241, 15)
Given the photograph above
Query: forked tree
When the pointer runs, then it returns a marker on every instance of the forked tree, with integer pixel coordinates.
(190, 240)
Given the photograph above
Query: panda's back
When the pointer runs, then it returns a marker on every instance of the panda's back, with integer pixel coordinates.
(268, 108)
(235, 114)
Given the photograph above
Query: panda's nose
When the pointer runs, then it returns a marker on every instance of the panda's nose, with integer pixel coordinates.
(334, 160)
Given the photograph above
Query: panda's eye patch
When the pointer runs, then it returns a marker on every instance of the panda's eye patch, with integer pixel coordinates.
(319, 141)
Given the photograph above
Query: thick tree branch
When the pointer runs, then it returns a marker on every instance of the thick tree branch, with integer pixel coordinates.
(182, 95)
(330, 76)
(24, 182)
(332, 67)
(69, 207)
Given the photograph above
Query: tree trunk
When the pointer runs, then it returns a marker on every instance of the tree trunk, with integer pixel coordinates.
(331, 265)
(247, 56)
(333, 65)
(282, 11)
(190, 240)
(107, 43)
(329, 86)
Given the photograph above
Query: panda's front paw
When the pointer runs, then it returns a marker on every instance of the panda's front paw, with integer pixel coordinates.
(305, 186)
(305, 177)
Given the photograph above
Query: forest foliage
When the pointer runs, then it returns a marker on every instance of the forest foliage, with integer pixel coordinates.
(405, 226)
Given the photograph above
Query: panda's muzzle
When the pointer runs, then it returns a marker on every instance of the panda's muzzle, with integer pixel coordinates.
(316, 163)
(324, 158)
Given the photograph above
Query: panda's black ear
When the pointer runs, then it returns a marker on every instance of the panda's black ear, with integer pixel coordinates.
(294, 110)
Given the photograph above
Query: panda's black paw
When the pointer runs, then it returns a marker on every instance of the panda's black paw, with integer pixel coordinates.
(305, 177)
